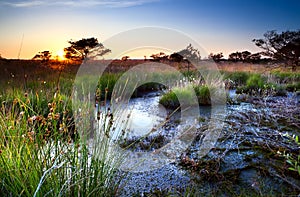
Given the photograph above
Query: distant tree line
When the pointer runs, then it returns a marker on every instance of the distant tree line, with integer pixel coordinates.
(280, 47)
(192, 54)
(44, 56)
(188, 54)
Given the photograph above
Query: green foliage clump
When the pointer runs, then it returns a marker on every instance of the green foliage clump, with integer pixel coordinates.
(254, 85)
(255, 82)
(280, 90)
(107, 82)
(286, 77)
(239, 78)
(202, 93)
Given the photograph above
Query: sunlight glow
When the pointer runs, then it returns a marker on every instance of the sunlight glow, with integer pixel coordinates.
(60, 54)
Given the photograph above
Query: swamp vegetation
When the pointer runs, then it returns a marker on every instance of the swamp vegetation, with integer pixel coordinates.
(43, 153)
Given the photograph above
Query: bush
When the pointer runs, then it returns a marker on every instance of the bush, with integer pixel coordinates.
(256, 84)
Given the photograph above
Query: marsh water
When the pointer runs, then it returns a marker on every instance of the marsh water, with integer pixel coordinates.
(247, 156)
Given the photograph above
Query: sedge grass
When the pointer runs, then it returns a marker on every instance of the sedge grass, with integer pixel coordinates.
(39, 155)
(33, 164)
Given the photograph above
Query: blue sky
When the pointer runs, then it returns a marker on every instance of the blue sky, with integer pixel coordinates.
(217, 25)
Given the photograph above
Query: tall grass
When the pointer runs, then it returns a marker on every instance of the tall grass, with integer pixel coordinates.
(40, 157)
(41, 150)
(239, 78)
(208, 93)
(170, 99)
(255, 82)
(286, 77)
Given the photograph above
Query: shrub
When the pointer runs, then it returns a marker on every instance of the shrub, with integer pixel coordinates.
(254, 85)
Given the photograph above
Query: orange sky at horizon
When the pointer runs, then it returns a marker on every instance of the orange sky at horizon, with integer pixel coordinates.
(218, 26)
(28, 51)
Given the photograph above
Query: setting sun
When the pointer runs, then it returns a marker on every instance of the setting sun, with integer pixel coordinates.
(60, 54)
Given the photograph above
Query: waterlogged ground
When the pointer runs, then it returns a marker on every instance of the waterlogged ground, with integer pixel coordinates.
(248, 156)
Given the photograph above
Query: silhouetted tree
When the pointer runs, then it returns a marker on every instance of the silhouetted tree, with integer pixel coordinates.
(125, 58)
(236, 56)
(255, 57)
(176, 57)
(85, 48)
(190, 53)
(159, 56)
(216, 57)
(44, 56)
(283, 46)
(245, 55)
(165, 58)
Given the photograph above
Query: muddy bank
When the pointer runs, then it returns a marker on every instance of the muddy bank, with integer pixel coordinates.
(247, 158)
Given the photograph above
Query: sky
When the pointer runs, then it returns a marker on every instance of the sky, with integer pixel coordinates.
(30, 26)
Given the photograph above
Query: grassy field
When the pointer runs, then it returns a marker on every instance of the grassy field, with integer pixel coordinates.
(40, 151)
